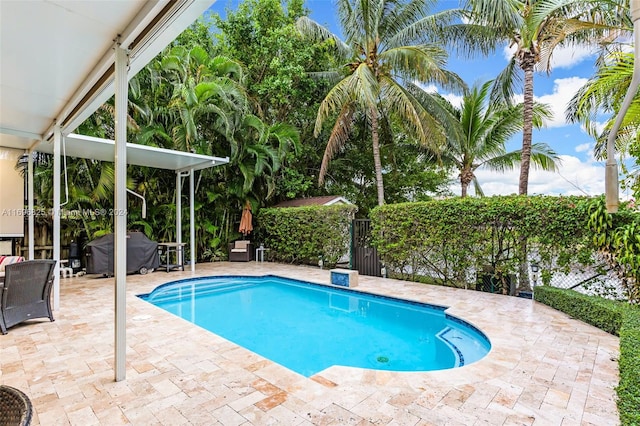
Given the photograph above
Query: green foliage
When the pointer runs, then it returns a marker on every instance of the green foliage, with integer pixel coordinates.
(478, 130)
(451, 240)
(261, 35)
(410, 173)
(629, 364)
(618, 318)
(198, 34)
(383, 51)
(597, 311)
(306, 234)
(617, 239)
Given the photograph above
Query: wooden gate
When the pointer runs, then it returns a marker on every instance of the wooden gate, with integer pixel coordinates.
(364, 257)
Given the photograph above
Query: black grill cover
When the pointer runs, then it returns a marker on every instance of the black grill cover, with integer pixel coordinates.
(141, 253)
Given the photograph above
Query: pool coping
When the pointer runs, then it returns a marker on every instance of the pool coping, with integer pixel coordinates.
(544, 367)
(460, 359)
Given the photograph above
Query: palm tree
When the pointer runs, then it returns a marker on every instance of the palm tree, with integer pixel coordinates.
(477, 132)
(603, 93)
(381, 54)
(258, 152)
(192, 85)
(536, 28)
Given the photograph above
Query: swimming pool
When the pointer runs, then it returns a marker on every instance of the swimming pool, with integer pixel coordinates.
(309, 327)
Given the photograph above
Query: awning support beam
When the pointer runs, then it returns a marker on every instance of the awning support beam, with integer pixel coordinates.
(178, 215)
(192, 227)
(30, 204)
(120, 211)
(57, 143)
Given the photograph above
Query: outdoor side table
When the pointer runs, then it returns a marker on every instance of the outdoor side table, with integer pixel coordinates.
(260, 253)
(169, 249)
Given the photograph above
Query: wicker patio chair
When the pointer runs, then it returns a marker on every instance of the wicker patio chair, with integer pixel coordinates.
(26, 292)
(15, 407)
(240, 251)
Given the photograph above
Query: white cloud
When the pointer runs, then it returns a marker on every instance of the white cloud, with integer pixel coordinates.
(456, 100)
(567, 57)
(563, 90)
(576, 177)
(585, 147)
(600, 125)
(563, 57)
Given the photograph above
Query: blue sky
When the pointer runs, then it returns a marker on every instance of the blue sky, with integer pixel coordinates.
(580, 174)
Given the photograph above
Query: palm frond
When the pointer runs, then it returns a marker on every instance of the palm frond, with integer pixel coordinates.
(470, 39)
(315, 32)
(339, 135)
(504, 15)
(415, 118)
(441, 110)
(360, 87)
(506, 83)
(408, 24)
(419, 62)
(504, 162)
(476, 187)
(544, 158)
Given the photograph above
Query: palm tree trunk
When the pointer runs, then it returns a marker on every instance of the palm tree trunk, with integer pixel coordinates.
(376, 154)
(527, 64)
(466, 177)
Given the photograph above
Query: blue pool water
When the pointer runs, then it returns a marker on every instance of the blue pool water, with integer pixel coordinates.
(309, 327)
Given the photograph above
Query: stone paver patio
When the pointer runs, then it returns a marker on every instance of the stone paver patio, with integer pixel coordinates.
(544, 368)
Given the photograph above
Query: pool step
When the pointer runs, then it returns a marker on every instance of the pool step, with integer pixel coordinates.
(182, 291)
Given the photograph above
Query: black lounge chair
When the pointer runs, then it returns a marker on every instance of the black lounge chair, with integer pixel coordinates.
(15, 407)
(26, 292)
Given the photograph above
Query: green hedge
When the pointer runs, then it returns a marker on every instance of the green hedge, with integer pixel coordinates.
(618, 318)
(450, 240)
(304, 235)
(599, 312)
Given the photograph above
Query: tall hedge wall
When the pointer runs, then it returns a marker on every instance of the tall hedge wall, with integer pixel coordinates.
(304, 235)
(451, 240)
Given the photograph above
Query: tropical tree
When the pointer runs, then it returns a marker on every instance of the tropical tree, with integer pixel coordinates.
(261, 34)
(258, 151)
(477, 131)
(383, 53)
(535, 29)
(192, 86)
(603, 94)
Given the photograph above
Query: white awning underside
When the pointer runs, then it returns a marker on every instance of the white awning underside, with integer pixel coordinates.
(80, 146)
(57, 57)
(57, 67)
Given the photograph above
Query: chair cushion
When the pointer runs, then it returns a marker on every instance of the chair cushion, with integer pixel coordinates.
(237, 250)
(8, 260)
(242, 245)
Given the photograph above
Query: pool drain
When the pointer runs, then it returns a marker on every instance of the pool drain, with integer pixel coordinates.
(383, 359)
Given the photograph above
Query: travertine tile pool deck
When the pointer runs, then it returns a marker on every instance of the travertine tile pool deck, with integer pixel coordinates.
(544, 368)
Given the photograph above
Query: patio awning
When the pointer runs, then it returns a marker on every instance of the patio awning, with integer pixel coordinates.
(80, 146)
(58, 59)
(61, 60)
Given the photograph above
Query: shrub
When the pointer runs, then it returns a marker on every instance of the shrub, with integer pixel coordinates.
(451, 240)
(629, 363)
(618, 318)
(596, 311)
(616, 238)
(304, 235)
